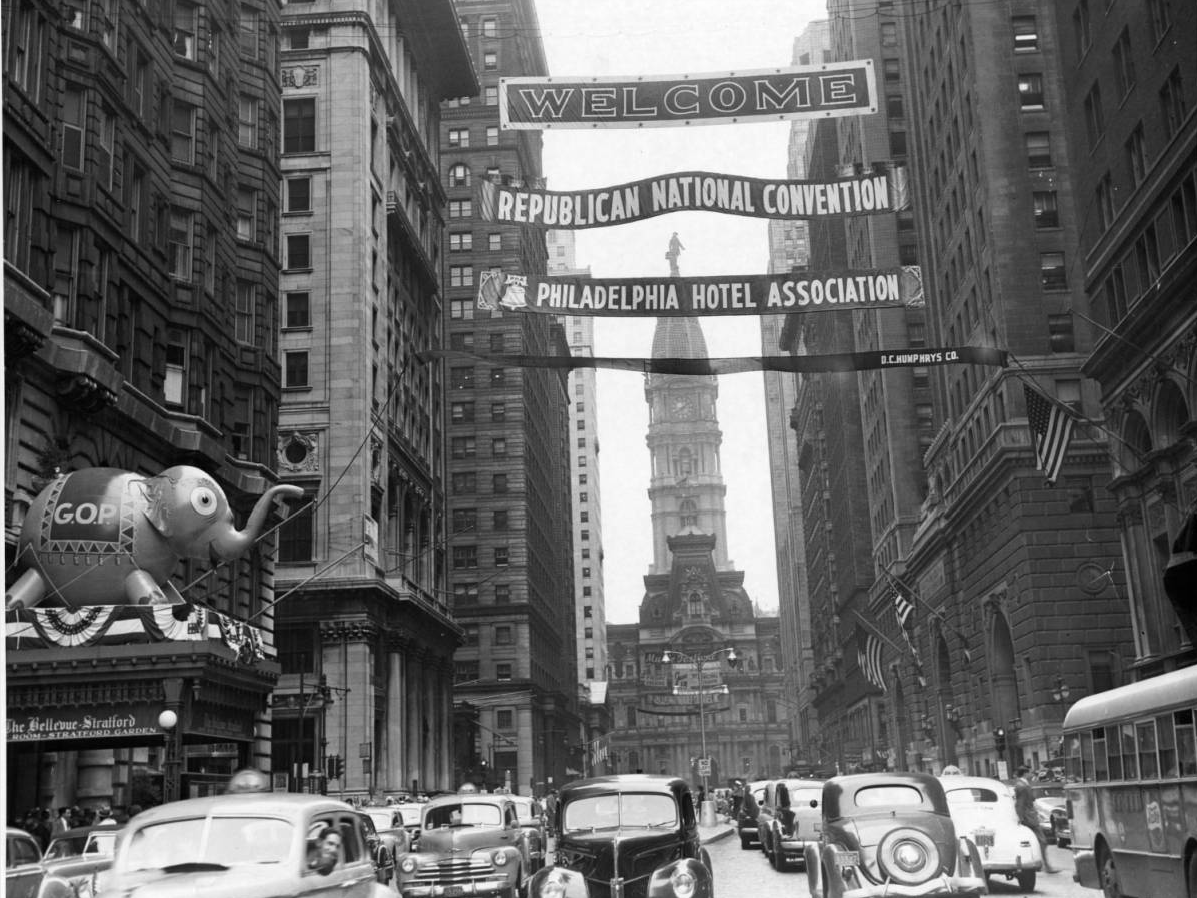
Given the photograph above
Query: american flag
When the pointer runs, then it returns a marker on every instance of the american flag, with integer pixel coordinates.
(869, 658)
(903, 608)
(1051, 429)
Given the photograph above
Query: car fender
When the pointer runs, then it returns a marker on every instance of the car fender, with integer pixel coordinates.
(56, 887)
(659, 885)
(810, 855)
(568, 883)
(833, 879)
(968, 859)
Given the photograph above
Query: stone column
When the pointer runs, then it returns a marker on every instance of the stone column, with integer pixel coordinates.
(396, 750)
(94, 789)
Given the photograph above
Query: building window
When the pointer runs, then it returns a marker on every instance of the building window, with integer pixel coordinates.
(464, 447)
(182, 132)
(1026, 34)
(894, 107)
(174, 382)
(461, 276)
(295, 368)
(299, 38)
(1161, 17)
(249, 33)
(498, 377)
(1047, 215)
(584, 517)
(24, 51)
(498, 411)
(105, 147)
(503, 635)
(299, 252)
(491, 96)
(459, 175)
(1172, 103)
(73, 109)
(461, 378)
(1136, 154)
(179, 240)
(490, 60)
(299, 194)
(1060, 335)
(1039, 149)
(247, 200)
(298, 310)
(489, 27)
(244, 314)
(1105, 201)
(461, 412)
(503, 672)
(465, 594)
(465, 558)
(459, 137)
(184, 30)
(299, 125)
(247, 121)
(465, 520)
(1080, 27)
(499, 484)
(461, 243)
(1147, 255)
(498, 447)
(492, 136)
(893, 71)
(296, 542)
(1124, 64)
(1051, 271)
(1030, 91)
(584, 535)
(466, 672)
(1095, 124)
(66, 267)
(461, 209)
(465, 482)
(502, 594)
(504, 719)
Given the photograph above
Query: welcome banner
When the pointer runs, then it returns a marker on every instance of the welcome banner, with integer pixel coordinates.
(883, 190)
(654, 297)
(799, 364)
(822, 91)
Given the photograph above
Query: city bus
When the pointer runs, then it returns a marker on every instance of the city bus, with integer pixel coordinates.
(1130, 761)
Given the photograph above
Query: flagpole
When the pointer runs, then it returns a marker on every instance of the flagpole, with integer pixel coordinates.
(916, 600)
(873, 629)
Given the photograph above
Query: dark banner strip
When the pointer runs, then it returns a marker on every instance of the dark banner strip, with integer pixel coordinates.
(798, 364)
(822, 91)
(883, 190)
(731, 294)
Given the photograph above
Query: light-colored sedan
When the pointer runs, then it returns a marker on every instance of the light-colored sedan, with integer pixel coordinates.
(984, 810)
(531, 819)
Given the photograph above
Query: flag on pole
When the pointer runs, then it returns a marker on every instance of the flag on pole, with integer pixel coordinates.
(1051, 429)
(868, 657)
(903, 608)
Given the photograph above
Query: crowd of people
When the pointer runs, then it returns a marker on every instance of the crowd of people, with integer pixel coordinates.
(45, 823)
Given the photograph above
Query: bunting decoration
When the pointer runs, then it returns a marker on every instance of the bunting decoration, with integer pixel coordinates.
(1051, 429)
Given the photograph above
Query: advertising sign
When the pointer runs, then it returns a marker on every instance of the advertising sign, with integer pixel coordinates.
(820, 91)
(109, 722)
(883, 190)
(732, 294)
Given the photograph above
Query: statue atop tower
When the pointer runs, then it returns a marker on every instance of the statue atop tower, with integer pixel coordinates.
(675, 249)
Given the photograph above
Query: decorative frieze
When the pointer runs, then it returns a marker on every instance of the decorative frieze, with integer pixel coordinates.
(300, 75)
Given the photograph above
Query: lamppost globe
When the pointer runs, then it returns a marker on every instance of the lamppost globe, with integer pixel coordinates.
(168, 719)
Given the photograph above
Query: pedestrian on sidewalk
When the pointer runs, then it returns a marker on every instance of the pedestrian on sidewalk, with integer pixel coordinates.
(1024, 803)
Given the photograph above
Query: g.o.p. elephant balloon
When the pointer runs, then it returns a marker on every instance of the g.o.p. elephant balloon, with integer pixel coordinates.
(102, 536)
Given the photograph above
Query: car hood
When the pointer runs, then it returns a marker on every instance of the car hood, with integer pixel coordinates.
(234, 882)
(78, 865)
(461, 839)
(632, 855)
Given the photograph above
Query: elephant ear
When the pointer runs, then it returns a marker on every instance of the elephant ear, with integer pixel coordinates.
(158, 494)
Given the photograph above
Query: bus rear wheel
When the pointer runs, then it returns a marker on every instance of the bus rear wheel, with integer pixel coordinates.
(1193, 875)
(1110, 886)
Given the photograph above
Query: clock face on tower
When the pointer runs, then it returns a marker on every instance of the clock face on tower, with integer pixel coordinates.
(682, 406)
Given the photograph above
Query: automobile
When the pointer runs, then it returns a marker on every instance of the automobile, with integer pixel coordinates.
(244, 844)
(789, 818)
(470, 844)
(983, 809)
(1051, 807)
(22, 863)
(626, 836)
(890, 834)
(380, 850)
(531, 818)
(74, 860)
(411, 810)
(746, 816)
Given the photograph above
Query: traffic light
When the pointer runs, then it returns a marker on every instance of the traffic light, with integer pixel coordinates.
(334, 767)
(999, 740)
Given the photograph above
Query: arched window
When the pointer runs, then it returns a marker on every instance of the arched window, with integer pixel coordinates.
(459, 175)
(689, 513)
(685, 463)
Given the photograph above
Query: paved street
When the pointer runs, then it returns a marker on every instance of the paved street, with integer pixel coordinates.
(736, 868)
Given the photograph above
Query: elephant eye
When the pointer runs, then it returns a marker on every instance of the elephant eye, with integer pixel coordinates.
(203, 500)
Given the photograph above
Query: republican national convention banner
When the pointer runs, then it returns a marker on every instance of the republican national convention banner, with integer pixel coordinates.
(821, 91)
(882, 190)
(732, 294)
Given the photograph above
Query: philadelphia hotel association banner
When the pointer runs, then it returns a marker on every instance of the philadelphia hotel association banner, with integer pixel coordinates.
(819, 91)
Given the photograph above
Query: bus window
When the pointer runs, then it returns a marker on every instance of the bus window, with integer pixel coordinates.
(1168, 766)
(1101, 764)
(1130, 761)
(1114, 753)
(1148, 767)
(1186, 743)
(1072, 759)
(1086, 774)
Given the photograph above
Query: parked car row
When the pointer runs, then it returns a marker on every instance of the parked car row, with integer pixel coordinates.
(70, 867)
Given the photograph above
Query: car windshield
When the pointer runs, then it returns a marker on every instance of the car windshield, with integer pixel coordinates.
(620, 810)
(888, 796)
(221, 841)
(463, 815)
(523, 810)
(383, 817)
(802, 798)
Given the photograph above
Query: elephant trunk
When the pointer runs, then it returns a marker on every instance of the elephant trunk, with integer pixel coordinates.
(233, 543)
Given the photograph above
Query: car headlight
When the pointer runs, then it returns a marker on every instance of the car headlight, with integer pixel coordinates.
(683, 883)
(499, 857)
(908, 856)
(408, 865)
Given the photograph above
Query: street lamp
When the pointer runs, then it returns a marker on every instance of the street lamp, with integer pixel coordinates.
(670, 656)
(1060, 690)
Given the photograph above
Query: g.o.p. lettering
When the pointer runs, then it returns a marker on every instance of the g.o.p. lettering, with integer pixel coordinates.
(99, 514)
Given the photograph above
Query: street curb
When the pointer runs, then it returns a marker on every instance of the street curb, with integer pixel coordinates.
(721, 833)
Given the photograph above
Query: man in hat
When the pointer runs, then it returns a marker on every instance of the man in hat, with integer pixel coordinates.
(1024, 803)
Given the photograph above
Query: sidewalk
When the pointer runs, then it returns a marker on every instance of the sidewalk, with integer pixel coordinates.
(721, 830)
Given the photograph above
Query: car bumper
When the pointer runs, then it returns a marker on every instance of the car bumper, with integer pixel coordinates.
(793, 848)
(1086, 869)
(943, 885)
(444, 890)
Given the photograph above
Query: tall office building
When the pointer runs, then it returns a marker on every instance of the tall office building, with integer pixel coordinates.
(366, 635)
(1130, 75)
(789, 249)
(591, 626)
(140, 297)
(510, 445)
